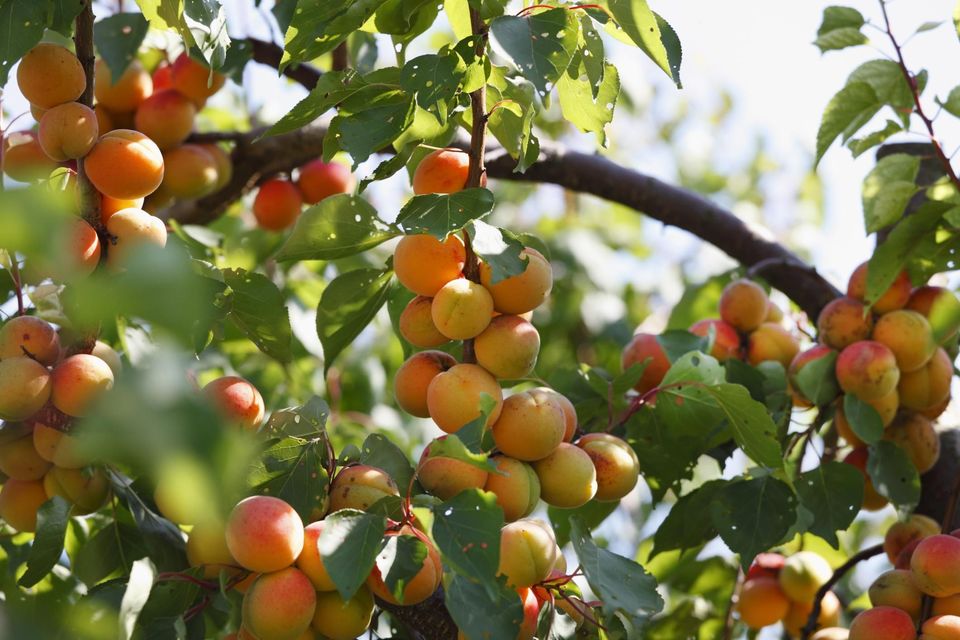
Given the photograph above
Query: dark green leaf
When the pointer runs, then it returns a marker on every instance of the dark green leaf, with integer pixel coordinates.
(52, 518)
(257, 308)
(307, 421)
(858, 146)
(750, 423)
(294, 470)
(952, 103)
(483, 610)
(332, 88)
(894, 475)
(22, 25)
(848, 110)
(498, 248)
(863, 419)
(363, 133)
(434, 80)
(442, 214)
(339, 226)
(591, 515)
(833, 493)
(162, 538)
(467, 531)
(817, 380)
(840, 39)
(400, 560)
(836, 17)
(689, 524)
(117, 39)
(886, 78)
(753, 515)
(349, 544)
(388, 167)
(347, 305)
(62, 15)
(677, 343)
(540, 45)
(381, 452)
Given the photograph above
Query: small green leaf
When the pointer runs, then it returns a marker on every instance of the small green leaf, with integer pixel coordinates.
(400, 560)
(894, 475)
(648, 31)
(840, 39)
(443, 214)
(498, 248)
(52, 518)
(361, 133)
(467, 531)
(257, 308)
(693, 367)
(332, 88)
(318, 27)
(952, 103)
(817, 380)
(928, 26)
(863, 419)
(349, 545)
(306, 421)
(135, 596)
(540, 45)
(848, 110)
(833, 493)
(451, 446)
(858, 146)
(347, 305)
(753, 515)
(840, 28)
(511, 122)
(117, 39)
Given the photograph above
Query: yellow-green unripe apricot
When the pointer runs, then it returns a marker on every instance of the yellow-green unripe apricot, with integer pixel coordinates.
(29, 335)
(446, 477)
(453, 397)
(207, 548)
(338, 619)
(530, 426)
(896, 588)
(279, 605)
(461, 309)
(86, 489)
(24, 387)
(615, 462)
(516, 487)
(568, 478)
(360, 487)
(803, 574)
(508, 347)
(528, 551)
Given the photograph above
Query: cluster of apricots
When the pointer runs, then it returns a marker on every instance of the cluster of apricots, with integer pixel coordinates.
(278, 201)
(783, 589)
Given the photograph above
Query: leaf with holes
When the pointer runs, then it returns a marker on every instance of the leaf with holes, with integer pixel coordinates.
(467, 531)
(435, 81)
(347, 305)
(257, 308)
(589, 112)
(349, 545)
(650, 32)
(753, 515)
(540, 45)
(294, 470)
(442, 214)
(307, 420)
(361, 133)
(511, 121)
(339, 226)
(833, 493)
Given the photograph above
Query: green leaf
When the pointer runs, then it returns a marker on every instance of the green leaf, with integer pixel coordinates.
(339, 226)
(295, 470)
(752, 426)
(699, 300)
(467, 531)
(347, 305)
(650, 32)
(307, 421)
(363, 133)
(848, 110)
(817, 380)
(591, 515)
(451, 446)
(434, 80)
(579, 105)
(22, 24)
(836, 17)
(540, 45)
(689, 524)
(62, 14)
(511, 122)
(952, 104)
(753, 515)
(677, 343)
(52, 518)
(693, 367)
(833, 493)
(592, 54)
(203, 25)
(894, 475)
(257, 308)
(332, 88)
(318, 27)
(928, 26)
(483, 610)
(442, 214)
(349, 544)
(840, 39)
(136, 595)
(886, 79)
(379, 451)
(858, 146)
(117, 39)
(498, 248)
(863, 419)
(489, 8)
(162, 539)
(400, 560)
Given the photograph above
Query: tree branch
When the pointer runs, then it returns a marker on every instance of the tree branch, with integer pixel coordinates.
(271, 54)
(841, 571)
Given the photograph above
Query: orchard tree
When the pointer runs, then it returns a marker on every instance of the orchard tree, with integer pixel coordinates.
(239, 400)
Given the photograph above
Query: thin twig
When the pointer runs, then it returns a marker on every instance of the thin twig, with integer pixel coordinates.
(731, 605)
(17, 281)
(838, 575)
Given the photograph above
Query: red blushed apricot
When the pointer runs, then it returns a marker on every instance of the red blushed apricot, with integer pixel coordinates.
(416, 324)
(207, 548)
(277, 204)
(195, 80)
(928, 386)
(18, 458)
(908, 335)
(442, 171)
(769, 342)
(941, 628)
(421, 586)
(83, 251)
(189, 172)
(917, 436)
(24, 387)
(78, 382)
(264, 534)
(127, 92)
(24, 159)
(338, 619)
(446, 477)
(743, 305)
(766, 565)
(616, 464)
(222, 162)
(167, 117)
(130, 229)
(936, 565)
(868, 370)
(508, 347)
(906, 555)
(762, 603)
(569, 412)
(162, 77)
(902, 533)
(844, 321)
(125, 164)
(726, 341)
(528, 552)
(895, 588)
(872, 501)
(360, 487)
(453, 397)
(567, 476)
(68, 131)
(237, 399)
(29, 336)
(423, 264)
(530, 427)
(49, 75)
(279, 605)
(886, 407)
(19, 501)
(524, 292)
(645, 347)
(515, 485)
(531, 611)
(935, 302)
(803, 359)
(109, 206)
(892, 299)
(311, 562)
(461, 309)
(413, 378)
(58, 447)
(318, 180)
(799, 614)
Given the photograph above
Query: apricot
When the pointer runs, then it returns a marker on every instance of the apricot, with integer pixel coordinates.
(264, 534)
(339, 619)
(908, 335)
(162, 77)
(516, 487)
(19, 501)
(936, 565)
(726, 341)
(949, 606)
(461, 309)
(83, 251)
(360, 487)
(68, 131)
(569, 412)
(616, 464)
(743, 305)
(645, 348)
(528, 551)
(277, 204)
(105, 120)
(222, 162)
(895, 588)
(109, 206)
(770, 341)
(24, 159)
(207, 548)
(928, 386)
(567, 476)
(831, 633)
(87, 489)
(18, 457)
(523, 292)
(886, 407)
(508, 347)
(906, 555)
(416, 324)
(799, 613)
(106, 353)
(530, 426)
(279, 605)
(937, 410)
(446, 477)
(37, 112)
(917, 436)
(310, 562)
(49, 75)
(935, 304)
(195, 80)
(238, 401)
(126, 92)
(318, 180)
(413, 379)
(762, 603)
(844, 321)
(421, 586)
(58, 447)
(767, 565)
(868, 370)
(29, 336)
(24, 387)
(125, 165)
(78, 382)
(895, 297)
(453, 396)
(872, 501)
(531, 612)
(190, 172)
(130, 229)
(882, 623)
(442, 171)
(803, 574)
(941, 628)
(423, 264)
(829, 388)
(774, 313)
(167, 117)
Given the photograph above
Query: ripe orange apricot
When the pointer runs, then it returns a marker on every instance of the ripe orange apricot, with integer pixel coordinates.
(190, 171)
(868, 370)
(105, 120)
(126, 92)
(23, 157)
(774, 313)
(569, 412)
(568, 478)
(109, 206)
(83, 252)
(446, 477)
(515, 485)
(131, 229)
(882, 622)
(902, 533)
(803, 573)
(933, 301)
(207, 548)
(726, 341)
(360, 487)
(277, 204)
(461, 309)
(416, 324)
(24, 387)
(949, 606)
(29, 336)
(936, 565)
(453, 396)
(872, 501)
(338, 619)
(895, 297)
(18, 457)
(908, 335)
(167, 117)
(237, 399)
(264, 534)
(423, 264)
(895, 588)
(762, 602)
(195, 80)
(524, 292)
(318, 180)
(644, 347)
(917, 436)
(125, 165)
(530, 427)
(844, 321)
(442, 171)
(508, 347)
(928, 386)
(49, 75)
(279, 605)
(799, 614)
(78, 382)
(421, 586)
(616, 464)
(941, 628)
(413, 378)
(743, 305)
(528, 551)
(19, 501)
(311, 562)
(68, 131)
(828, 385)
(770, 341)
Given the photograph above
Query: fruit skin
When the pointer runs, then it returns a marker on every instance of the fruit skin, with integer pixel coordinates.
(68, 131)
(279, 605)
(831, 633)
(508, 347)
(131, 229)
(18, 457)
(419, 587)
(568, 478)
(19, 501)
(806, 358)
(237, 399)
(908, 335)
(524, 292)
(360, 487)
(264, 534)
(872, 501)
(23, 157)
(413, 378)
(167, 117)
(799, 614)
(941, 628)
(461, 309)
(616, 464)
(423, 264)
(844, 321)
(49, 75)
(87, 489)
(125, 164)
(446, 477)
(530, 427)
(928, 386)
(162, 76)
(58, 447)
(902, 533)
(868, 370)
(936, 565)
(453, 397)
(207, 548)
(191, 172)
(743, 305)
(23, 335)
(416, 324)
(83, 252)
(528, 551)
(934, 301)
(892, 299)
(762, 603)
(882, 623)
(127, 92)
(277, 204)
(109, 206)
(318, 180)
(24, 387)
(896, 588)
(726, 342)
(917, 436)
(767, 565)
(194, 80)
(886, 407)
(569, 412)
(946, 606)
(770, 341)
(442, 171)
(337, 619)
(310, 562)
(803, 574)
(518, 488)
(78, 382)
(222, 162)
(645, 347)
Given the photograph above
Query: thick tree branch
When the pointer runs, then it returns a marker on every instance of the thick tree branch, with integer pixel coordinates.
(270, 54)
